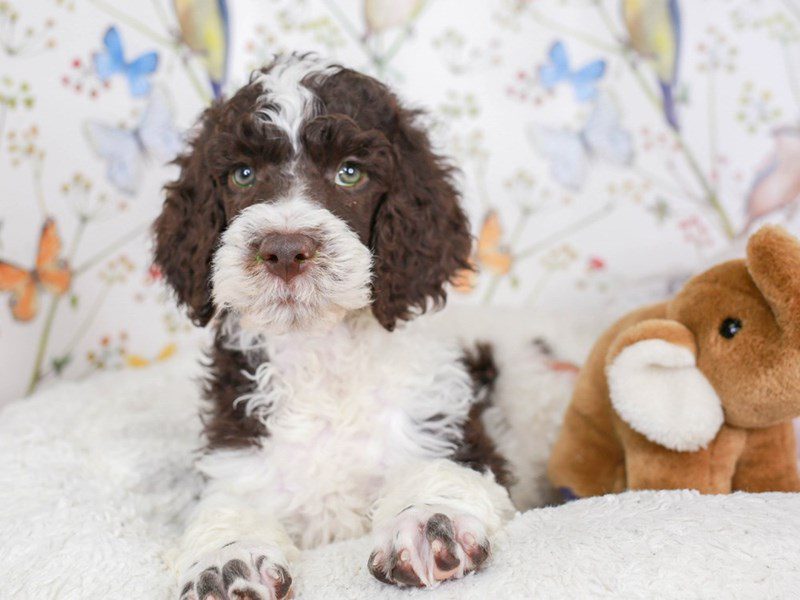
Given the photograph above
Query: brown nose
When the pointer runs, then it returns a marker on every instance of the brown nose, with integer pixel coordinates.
(286, 255)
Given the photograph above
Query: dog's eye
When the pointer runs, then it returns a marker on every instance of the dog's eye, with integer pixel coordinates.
(243, 177)
(349, 175)
(730, 327)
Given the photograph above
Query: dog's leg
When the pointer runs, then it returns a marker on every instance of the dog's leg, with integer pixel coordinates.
(231, 550)
(434, 522)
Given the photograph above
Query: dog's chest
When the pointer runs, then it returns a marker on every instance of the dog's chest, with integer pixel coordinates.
(348, 409)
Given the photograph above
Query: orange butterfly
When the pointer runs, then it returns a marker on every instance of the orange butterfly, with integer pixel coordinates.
(51, 273)
(490, 254)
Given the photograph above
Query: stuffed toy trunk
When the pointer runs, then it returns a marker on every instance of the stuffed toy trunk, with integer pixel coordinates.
(697, 392)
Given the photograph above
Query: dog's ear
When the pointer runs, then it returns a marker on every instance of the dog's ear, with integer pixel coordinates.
(189, 226)
(420, 237)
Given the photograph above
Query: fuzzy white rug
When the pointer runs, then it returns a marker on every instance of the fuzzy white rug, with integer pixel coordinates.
(95, 478)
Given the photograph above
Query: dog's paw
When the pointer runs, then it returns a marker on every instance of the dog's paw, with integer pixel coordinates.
(426, 545)
(237, 572)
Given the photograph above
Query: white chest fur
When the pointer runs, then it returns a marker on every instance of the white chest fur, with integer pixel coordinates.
(343, 410)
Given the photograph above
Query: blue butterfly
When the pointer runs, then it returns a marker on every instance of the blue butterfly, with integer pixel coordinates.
(111, 60)
(126, 151)
(583, 80)
(570, 152)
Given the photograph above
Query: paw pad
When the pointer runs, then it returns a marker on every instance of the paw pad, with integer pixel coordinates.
(422, 548)
(237, 573)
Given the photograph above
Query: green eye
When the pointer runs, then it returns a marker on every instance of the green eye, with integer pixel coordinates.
(349, 175)
(243, 177)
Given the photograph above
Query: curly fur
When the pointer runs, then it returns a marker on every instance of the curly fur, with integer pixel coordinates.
(412, 222)
(314, 406)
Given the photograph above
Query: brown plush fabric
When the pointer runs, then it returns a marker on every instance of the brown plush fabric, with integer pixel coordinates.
(769, 461)
(755, 373)
(587, 457)
(649, 466)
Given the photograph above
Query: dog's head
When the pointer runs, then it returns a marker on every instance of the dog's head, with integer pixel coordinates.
(310, 193)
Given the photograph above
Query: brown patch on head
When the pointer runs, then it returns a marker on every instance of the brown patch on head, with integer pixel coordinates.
(419, 235)
(190, 223)
(406, 211)
(200, 203)
(331, 140)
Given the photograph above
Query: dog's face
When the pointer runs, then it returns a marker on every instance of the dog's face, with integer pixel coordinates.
(309, 194)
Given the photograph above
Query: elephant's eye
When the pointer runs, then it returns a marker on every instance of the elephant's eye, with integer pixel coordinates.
(730, 327)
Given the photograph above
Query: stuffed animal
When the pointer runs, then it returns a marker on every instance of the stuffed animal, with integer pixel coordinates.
(697, 392)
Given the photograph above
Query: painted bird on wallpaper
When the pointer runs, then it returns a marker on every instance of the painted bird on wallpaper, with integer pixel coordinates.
(205, 29)
(381, 15)
(654, 29)
(777, 183)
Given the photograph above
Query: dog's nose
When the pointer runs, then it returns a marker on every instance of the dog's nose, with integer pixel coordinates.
(286, 255)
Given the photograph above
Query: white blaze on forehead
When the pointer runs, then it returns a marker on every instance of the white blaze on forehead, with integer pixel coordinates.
(285, 101)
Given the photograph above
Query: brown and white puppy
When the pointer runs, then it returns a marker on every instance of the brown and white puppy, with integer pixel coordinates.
(311, 217)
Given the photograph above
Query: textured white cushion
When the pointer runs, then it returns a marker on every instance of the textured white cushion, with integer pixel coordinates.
(95, 476)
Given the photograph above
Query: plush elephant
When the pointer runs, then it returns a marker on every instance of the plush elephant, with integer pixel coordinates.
(697, 392)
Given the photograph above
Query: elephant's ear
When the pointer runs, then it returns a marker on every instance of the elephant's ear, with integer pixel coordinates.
(656, 387)
(773, 259)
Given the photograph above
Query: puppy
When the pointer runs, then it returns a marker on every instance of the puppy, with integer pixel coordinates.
(310, 219)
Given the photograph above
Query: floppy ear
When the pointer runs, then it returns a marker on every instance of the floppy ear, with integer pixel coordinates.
(773, 260)
(656, 387)
(420, 237)
(189, 226)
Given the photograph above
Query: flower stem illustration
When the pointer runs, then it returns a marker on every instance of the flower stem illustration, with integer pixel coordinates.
(709, 192)
(380, 61)
(41, 346)
(38, 373)
(541, 245)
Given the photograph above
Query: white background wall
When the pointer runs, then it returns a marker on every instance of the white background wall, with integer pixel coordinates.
(625, 234)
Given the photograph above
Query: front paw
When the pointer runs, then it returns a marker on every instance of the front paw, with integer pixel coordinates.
(238, 572)
(426, 545)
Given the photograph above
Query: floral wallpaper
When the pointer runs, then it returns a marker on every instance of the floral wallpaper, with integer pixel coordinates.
(609, 148)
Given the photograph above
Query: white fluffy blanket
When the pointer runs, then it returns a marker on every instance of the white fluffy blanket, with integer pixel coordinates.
(95, 477)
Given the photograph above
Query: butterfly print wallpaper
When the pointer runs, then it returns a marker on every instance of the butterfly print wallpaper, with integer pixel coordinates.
(609, 148)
